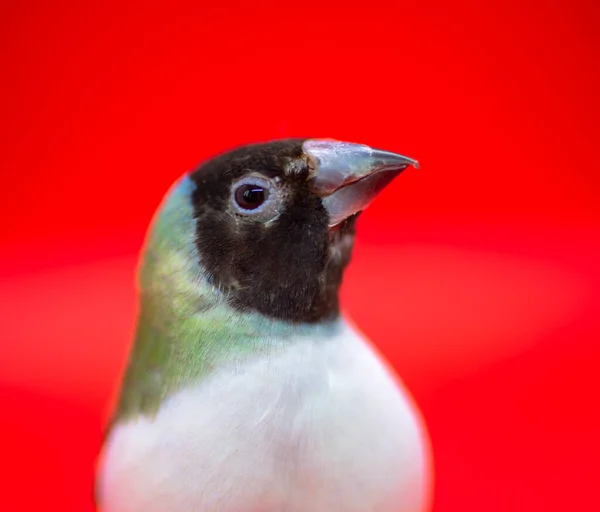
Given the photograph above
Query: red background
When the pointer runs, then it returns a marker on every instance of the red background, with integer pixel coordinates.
(478, 275)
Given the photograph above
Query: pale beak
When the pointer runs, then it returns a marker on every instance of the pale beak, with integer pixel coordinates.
(349, 176)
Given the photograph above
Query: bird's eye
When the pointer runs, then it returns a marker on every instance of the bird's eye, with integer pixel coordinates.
(256, 197)
(250, 196)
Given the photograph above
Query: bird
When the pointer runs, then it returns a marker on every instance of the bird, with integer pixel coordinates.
(248, 388)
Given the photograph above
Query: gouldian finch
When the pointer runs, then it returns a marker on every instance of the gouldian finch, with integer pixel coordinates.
(247, 389)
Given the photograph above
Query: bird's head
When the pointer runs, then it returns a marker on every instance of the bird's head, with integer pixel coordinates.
(269, 227)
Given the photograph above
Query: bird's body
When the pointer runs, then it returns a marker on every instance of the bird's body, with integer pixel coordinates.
(246, 389)
(318, 425)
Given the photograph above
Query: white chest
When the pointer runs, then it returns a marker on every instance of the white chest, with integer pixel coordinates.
(319, 427)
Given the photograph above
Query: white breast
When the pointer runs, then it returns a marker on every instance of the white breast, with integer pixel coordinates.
(318, 427)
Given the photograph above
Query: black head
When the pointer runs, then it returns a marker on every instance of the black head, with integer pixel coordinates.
(265, 234)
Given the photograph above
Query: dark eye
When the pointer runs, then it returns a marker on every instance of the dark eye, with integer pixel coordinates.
(250, 196)
(256, 198)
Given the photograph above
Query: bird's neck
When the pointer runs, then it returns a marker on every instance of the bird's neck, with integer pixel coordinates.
(182, 339)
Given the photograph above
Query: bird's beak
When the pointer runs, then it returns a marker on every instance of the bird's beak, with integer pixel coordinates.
(349, 176)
